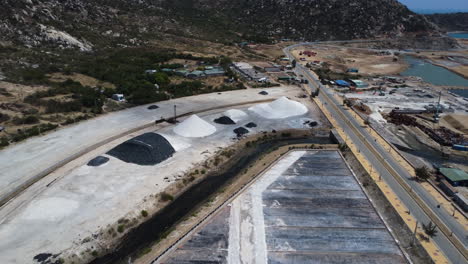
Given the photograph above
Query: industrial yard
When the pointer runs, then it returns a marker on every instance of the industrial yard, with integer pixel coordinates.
(307, 208)
(79, 194)
(342, 59)
(142, 159)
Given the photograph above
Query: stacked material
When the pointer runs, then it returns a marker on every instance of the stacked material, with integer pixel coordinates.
(240, 131)
(236, 115)
(98, 161)
(146, 149)
(251, 124)
(194, 126)
(376, 115)
(280, 108)
(224, 120)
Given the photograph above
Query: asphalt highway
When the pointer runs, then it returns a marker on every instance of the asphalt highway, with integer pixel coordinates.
(420, 203)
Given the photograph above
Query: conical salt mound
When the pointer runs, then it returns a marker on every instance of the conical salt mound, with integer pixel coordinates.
(194, 126)
(236, 115)
(280, 108)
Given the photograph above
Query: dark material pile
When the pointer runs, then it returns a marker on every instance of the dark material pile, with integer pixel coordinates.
(263, 93)
(251, 124)
(224, 120)
(441, 135)
(153, 107)
(98, 161)
(311, 123)
(240, 131)
(146, 149)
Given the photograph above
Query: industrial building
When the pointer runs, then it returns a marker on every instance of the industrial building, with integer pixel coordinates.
(342, 83)
(359, 84)
(214, 71)
(248, 72)
(267, 66)
(455, 176)
(195, 75)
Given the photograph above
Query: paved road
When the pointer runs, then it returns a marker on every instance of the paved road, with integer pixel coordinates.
(357, 134)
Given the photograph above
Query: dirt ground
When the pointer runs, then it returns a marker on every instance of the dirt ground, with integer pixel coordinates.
(204, 48)
(271, 51)
(81, 78)
(342, 58)
(12, 91)
(458, 123)
(200, 48)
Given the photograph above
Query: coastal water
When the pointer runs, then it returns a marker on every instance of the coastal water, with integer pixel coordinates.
(463, 35)
(433, 74)
(461, 92)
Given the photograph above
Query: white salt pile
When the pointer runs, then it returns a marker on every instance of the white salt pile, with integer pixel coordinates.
(176, 142)
(376, 115)
(236, 115)
(280, 108)
(194, 126)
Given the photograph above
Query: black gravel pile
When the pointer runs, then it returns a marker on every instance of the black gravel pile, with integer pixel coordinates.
(263, 93)
(224, 120)
(146, 149)
(251, 124)
(152, 107)
(311, 123)
(240, 131)
(98, 161)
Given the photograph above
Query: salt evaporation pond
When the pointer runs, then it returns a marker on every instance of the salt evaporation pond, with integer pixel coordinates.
(433, 74)
(461, 92)
(194, 127)
(280, 108)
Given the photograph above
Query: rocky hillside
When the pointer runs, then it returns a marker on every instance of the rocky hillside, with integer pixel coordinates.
(450, 22)
(319, 19)
(87, 24)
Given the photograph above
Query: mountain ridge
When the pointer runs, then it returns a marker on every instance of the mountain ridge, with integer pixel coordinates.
(85, 24)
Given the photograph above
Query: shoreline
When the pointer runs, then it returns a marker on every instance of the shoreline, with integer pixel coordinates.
(457, 32)
(446, 87)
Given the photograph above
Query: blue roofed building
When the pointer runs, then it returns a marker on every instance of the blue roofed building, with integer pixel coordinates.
(342, 83)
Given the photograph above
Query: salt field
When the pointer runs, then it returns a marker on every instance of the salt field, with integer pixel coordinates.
(307, 208)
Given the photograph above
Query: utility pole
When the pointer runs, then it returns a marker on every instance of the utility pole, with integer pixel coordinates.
(414, 234)
(175, 113)
(436, 114)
